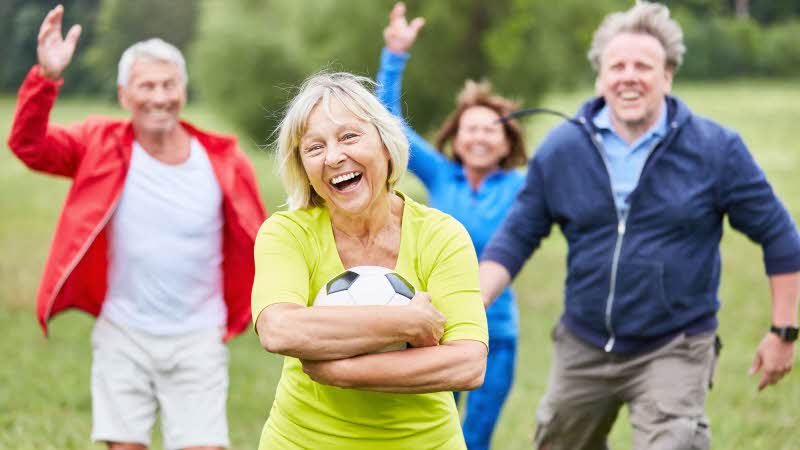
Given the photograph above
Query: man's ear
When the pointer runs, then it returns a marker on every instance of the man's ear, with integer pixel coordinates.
(597, 89)
(121, 97)
(668, 74)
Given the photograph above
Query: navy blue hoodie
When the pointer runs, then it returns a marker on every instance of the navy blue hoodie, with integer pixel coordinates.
(635, 281)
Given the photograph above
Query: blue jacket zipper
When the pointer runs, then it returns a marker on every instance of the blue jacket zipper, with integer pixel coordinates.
(621, 224)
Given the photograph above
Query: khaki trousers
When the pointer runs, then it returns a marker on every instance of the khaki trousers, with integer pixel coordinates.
(665, 390)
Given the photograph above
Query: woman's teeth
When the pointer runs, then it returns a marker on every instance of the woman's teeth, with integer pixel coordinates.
(345, 177)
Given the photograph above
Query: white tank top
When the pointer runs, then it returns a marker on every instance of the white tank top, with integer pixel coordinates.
(165, 249)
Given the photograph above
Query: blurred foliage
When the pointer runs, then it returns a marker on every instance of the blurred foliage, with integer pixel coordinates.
(767, 12)
(780, 49)
(109, 27)
(703, 8)
(250, 54)
(20, 21)
(727, 47)
(722, 45)
(538, 47)
(247, 57)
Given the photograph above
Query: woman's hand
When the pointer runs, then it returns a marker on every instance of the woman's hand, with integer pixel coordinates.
(400, 35)
(53, 51)
(323, 372)
(430, 324)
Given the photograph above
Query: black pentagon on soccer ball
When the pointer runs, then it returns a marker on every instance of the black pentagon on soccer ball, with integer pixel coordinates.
(400, 285)
(341, 283)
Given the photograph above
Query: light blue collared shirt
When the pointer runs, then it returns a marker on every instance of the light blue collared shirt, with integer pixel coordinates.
(625, 162)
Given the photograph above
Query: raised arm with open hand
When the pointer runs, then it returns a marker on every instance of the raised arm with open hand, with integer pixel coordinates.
(400, 35)
(53, 51)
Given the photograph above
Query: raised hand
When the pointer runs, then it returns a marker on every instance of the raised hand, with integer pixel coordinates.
(431, 322)
(55, 53)
(400, 35)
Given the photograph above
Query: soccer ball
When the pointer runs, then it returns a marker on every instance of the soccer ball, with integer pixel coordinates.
(366, 286)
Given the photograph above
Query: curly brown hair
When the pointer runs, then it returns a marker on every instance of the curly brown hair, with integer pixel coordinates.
(480, 94)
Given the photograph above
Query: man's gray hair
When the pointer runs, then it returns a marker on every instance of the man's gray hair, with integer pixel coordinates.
(645, 18)
(153, 49)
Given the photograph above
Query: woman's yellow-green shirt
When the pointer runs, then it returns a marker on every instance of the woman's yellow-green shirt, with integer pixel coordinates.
(295, 255)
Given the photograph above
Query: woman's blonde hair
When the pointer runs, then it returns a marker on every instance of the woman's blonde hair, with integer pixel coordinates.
(352, 92)
(645, 18)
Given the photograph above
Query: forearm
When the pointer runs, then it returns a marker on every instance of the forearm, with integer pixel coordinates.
(424, 160)
(455, 366)
(785, 289)
(390, 80)
(34, 101)
(495, 278)
(41, 146)
(527, 223)
(332, 332)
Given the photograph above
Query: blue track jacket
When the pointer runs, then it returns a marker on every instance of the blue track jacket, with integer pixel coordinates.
(635, 281)
(481, 212)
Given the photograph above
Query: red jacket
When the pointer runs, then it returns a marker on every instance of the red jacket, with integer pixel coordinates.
(96, 154)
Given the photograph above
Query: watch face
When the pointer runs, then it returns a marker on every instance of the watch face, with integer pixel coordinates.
(787, 334)
(791, 334)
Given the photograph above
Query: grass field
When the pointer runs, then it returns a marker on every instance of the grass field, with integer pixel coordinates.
(44, 383)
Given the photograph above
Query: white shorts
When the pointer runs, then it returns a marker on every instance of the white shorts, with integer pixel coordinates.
(134, 374)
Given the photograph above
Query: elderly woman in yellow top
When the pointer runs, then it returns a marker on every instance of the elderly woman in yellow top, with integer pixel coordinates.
(341, 154)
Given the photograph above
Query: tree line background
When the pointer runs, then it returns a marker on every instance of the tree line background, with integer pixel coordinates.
(246, 56)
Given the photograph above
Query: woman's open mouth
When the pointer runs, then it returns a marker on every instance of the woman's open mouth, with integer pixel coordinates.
(346, 182)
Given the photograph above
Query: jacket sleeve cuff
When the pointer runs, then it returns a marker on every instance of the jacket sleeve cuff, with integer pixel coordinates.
(395, 62)
(784, 264)
(35, 76)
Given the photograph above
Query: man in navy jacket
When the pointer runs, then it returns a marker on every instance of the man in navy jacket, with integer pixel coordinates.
(639, 186)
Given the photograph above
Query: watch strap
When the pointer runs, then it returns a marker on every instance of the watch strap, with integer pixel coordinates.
(787, 334)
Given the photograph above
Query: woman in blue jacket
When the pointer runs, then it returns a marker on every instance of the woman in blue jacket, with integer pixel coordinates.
(470, 175)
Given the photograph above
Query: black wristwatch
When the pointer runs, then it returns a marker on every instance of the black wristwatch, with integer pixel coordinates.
(787, 334)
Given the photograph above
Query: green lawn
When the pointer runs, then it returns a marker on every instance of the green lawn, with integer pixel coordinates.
(45, 401)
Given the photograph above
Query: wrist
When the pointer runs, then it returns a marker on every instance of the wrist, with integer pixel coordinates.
(393, 54)
(419, 328)
(788, 333)
(397, 50)
(410, 327)
(343, 375)
(43, 71)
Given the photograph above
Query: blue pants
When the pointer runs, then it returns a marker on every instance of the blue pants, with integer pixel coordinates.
(485, 403)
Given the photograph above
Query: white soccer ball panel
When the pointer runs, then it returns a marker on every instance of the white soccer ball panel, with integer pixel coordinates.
(364, 286)
(371, 289)
(399, 300)
(341, 298)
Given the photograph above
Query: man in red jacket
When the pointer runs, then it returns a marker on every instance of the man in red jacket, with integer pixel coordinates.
(155, 239)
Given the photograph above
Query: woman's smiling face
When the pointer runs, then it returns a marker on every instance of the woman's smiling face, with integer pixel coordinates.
(481, 142)
(344, 158)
